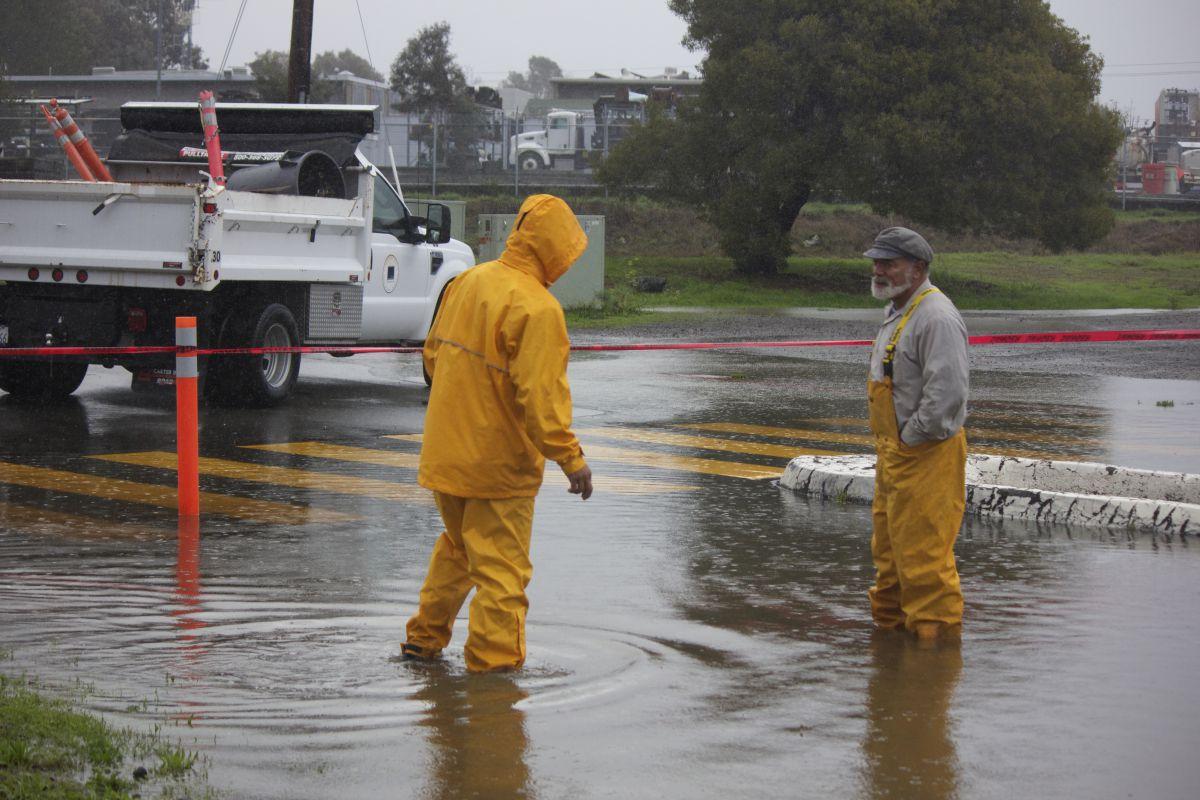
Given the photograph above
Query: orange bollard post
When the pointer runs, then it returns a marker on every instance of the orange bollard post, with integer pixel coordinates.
(212, 137)
(72, 154)
(187, 422)
(72, 129)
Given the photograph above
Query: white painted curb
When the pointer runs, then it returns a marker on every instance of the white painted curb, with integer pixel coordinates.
(1064, 492)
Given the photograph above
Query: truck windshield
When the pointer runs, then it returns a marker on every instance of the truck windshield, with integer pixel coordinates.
(390, 215)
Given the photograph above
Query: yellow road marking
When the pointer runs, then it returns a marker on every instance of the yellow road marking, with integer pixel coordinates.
(848, 438)
(785, 433)
(705, 466)
(341, 452)
(702, 442)
(50, 522)
(395, 458)
(1032, 436)
(286, 476)
(162, 496)
(602, 482)
(406, 437)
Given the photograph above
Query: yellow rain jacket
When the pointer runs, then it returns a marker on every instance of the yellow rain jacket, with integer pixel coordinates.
(497, 352)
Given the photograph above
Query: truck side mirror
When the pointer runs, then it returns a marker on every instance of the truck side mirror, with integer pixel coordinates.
(437, 229)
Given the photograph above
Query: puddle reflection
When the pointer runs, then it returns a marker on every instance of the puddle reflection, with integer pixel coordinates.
(188, 590)
(908, 748)
(477, 736)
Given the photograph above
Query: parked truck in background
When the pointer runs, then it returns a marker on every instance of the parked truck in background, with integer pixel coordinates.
(308, 244)
(569, 138)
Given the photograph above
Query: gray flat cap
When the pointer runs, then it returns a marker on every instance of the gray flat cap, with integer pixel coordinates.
(900, 243)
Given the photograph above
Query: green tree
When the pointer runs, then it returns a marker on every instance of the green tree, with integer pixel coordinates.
(426, 75)
(270, 71)
(71, 36)
(329, 63)
(970, 115)
(537, 79)
(431, 83)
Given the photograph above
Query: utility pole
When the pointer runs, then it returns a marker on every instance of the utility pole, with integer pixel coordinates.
(300, 57)
(158, 53)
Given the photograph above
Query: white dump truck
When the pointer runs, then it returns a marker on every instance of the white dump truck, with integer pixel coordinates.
(307, 244)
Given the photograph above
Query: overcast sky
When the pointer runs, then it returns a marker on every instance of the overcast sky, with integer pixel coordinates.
(1147, 45)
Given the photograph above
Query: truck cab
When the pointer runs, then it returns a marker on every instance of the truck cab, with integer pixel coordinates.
(562, 140)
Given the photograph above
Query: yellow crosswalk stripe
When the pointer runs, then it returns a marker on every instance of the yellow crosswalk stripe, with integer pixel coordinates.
(660, 459)
(602, 483)
(341, 452)
(162, 496)
(1032, 436)
(836, 437)
(285, 476)
(51, 522)
(806, 434)
(704, 466)
(394, 458)
(702, 442)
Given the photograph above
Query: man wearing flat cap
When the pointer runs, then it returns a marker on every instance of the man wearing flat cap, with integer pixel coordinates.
(917, 395)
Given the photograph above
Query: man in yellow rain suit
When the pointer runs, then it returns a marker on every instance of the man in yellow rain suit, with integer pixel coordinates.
(917, 394)
(499, 407)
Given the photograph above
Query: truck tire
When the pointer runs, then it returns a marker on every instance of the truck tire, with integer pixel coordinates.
(45, 380)
(531, 162)
(256, 380)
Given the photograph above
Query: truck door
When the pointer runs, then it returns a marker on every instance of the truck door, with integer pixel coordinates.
(396, 297)
(559, 136)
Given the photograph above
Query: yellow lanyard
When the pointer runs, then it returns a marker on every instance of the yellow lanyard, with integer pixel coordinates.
(890, 351)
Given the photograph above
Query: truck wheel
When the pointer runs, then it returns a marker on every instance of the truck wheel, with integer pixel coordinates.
(46, 380)
(531, 162)
(256, 380)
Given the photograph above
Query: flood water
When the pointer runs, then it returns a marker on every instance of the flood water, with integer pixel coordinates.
(692, 633)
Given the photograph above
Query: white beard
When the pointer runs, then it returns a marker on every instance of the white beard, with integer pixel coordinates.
(888, 290)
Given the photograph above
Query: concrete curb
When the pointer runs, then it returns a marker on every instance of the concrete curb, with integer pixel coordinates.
(1062, 492)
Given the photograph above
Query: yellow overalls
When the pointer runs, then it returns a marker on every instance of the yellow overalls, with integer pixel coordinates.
(917, 511)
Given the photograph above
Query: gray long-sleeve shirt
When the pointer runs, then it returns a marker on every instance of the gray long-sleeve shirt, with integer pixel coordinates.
(929, 370)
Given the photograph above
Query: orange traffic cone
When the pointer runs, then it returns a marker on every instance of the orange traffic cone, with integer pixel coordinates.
(212, 136)
(80, 141)
(68, 148)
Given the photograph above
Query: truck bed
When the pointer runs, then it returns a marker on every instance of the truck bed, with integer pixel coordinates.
(150, 234)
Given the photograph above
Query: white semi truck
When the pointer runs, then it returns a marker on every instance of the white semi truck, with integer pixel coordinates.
(568, 138)
(311, 246)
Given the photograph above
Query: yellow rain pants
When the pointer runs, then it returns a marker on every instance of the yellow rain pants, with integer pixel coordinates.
(486, 547)
(920, 496)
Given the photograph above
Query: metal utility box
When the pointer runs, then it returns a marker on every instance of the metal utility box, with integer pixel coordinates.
(583, 285)
(458, 213)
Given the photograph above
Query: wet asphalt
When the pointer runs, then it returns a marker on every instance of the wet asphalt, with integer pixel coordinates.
(695, 631)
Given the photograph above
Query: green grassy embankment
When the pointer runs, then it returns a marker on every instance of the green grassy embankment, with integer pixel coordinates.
(1151, 259)
(49, 750)
(975, 281)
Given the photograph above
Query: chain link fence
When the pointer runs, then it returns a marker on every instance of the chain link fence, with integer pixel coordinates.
(434, 152)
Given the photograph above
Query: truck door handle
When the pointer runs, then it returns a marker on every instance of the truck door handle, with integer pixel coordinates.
(435, 263)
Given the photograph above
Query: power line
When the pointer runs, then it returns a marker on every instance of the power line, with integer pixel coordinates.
(1107, 74)
(1155, 64)
(232, 34)
(362, 24)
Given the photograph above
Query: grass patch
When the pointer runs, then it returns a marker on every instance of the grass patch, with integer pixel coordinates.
(988, 280)
(49, 749)
(1157, 214)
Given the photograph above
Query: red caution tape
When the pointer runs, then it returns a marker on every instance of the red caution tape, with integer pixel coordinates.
(1073, 337)
(1068, 337)
(86, 351)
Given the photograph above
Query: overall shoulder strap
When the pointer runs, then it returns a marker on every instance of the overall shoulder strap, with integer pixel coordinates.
(890, 352)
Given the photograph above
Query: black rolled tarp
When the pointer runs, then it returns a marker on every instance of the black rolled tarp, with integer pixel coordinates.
(157, 146)
(158, 131)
